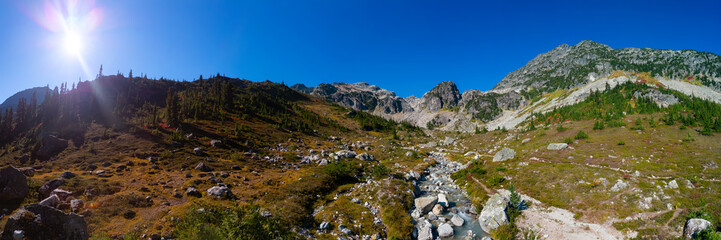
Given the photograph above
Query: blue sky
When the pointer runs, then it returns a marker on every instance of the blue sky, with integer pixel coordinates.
(404, 46)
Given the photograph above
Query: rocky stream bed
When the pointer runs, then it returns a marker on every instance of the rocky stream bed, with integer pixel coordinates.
(442, 209)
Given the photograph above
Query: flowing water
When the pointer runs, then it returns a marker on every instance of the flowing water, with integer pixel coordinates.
(438, 181)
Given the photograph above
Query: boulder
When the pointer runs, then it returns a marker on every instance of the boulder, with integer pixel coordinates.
(416, 214)
(28, 171)
(203, 168)
(42, 222)
(425, 204)
(619, 186)
(13, 184)
(457, 220)
(76, 205)
(504, 154)
(694, 226)
(51, 185)
(437, 210)
(324, 226)
(50, 146)
(494, 213)
(365, 157)
(68, 175)
(216, 143)
(51, 201)
(193, 192)
(220, 192)
(346, 154)
(557, 146)
(445, 230)
(425, 232)
(442, 200)
(413, 175)
(673, 184)
(198, 151)
(61, 193)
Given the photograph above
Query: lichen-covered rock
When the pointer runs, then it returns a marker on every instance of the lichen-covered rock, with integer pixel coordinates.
(693, 226)
(494, 213)
(346, 154)
(504, 154)
(365, 157)
(13, 184)
(619, 186)
(220, 192)
(38, 221)
(557, 146)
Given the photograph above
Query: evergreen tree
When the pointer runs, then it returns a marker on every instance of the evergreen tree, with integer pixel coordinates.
(171, 108)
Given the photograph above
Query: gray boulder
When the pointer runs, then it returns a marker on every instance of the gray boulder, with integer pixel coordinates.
(51, 201)
(457, 220)
(504, 154)
(51, 185)
(68, 175)
(365, 157)
(494, 213)
(557, 146)
(694, 226)
(346, 154)
(203, 168)
(413, 175)
(76, 205)
(193, 192)
(38, 221)
(220, 192)
(425, 231)
(619, 186)
(673, 184)
(216, 143)
(13, 184)
(425, 204)
(445, 230)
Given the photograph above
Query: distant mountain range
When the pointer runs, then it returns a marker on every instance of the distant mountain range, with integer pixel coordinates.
(573, 70)
(13, 100)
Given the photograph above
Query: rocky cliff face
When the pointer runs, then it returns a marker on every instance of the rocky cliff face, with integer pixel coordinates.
(444, 95)
(567, 66)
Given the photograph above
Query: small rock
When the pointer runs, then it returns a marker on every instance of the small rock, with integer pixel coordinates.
(51, 201)
(203, 168)
(220, 192)
(619, 186)
(50, 186)
(198, 151)
(365, 157)
(129, 214)
(437, 209)
(672, 184)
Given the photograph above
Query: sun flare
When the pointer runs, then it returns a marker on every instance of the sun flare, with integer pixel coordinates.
(73, 43)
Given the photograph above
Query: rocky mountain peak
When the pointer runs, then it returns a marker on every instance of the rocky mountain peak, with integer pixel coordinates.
(444, 95)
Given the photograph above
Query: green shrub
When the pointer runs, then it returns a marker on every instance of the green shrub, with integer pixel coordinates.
(621, 143)
(560, 128)
(233, 223)
(581, 135)
(496, 180)
(380, 171)
(568, 141)
(505, 232)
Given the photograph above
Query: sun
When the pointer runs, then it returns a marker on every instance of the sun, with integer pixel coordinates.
(73, 43)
